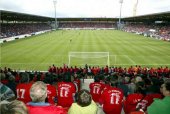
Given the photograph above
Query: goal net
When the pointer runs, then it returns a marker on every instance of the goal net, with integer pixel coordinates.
(90, 58)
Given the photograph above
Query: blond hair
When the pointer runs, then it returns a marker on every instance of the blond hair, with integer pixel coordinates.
(13, 107)
(38, 92)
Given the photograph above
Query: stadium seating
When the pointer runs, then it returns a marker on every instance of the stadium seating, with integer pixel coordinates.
(159, 31)
(14, 29)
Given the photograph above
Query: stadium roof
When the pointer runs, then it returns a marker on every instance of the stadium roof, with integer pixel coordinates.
(15, 16)
(164, 16)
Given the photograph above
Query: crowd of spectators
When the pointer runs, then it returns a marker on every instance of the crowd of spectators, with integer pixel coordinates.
(159, 31)
(58, 91)
(95, 70)
(14, 29)
(93, 25)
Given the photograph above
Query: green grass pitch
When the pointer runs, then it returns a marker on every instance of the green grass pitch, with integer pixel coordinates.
(125, 49)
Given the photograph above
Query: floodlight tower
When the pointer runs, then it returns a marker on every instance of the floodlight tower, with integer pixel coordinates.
(121, 2)
(55, 2)
(135, 7)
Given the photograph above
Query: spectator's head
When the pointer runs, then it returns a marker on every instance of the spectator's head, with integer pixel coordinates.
(8, 73)
(13, 107)
(132, 80)
(155, 81)
(96, 79)
(140, 87)
(2, 76)
(66, 77)
(75, 76)
(166, 88)
(24, 77)
(114, 80)
(38, 92)
(11, 78)
(120, 79)
(84, 98)
(127, 79)
(138, 79)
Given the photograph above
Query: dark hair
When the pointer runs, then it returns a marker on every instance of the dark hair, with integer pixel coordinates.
(140, 88)
(167, 85)
(155, 81)
(114, 80)
(24, 77)
(84, 98)
(96, 78)
(66, 77)
(107, 80)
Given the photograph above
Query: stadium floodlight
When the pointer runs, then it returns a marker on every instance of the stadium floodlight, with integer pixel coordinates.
(55, 2)
(121, 2)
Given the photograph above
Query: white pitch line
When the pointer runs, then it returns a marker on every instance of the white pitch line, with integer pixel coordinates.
(143, 55)
(155, 50)
(99, 64)
(130, 59)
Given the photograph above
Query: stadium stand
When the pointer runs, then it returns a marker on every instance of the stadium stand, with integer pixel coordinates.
(87, 25)
(13, 29)
(154, 25)
(159, 31)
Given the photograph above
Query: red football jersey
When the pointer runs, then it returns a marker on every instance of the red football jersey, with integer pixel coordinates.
(106, 86)
(23, 92)
(134, 100)
(147, 100)
(112, 100)
(51, 93)
(96, 89)
(65, 93)
(131, 102)
(45, 110)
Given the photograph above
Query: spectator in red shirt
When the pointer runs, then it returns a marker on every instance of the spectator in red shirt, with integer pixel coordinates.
(65, 92)
(96, 88)
(111, 99)
(51, 93)
(138, 100)
(38, 94)
(50, 69)
(54, 69)
(106, 70)
(23, 88)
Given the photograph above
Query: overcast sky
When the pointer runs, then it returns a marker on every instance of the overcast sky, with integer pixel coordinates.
(85, 8)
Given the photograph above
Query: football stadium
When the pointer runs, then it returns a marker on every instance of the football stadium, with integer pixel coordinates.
(86, 64)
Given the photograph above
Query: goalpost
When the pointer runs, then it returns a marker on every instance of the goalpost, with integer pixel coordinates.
(90, 58)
